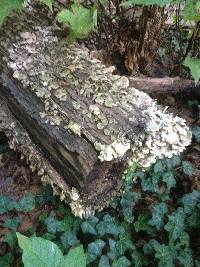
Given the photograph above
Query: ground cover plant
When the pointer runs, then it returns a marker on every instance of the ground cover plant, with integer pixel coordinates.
(156, 220)
(150, 225)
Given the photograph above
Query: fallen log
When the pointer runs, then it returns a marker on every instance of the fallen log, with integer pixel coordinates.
(164, 85)
(77, 124)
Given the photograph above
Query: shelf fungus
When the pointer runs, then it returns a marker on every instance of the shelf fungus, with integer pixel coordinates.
(78, 124)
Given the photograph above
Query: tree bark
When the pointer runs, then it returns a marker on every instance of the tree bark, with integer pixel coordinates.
(164, 85)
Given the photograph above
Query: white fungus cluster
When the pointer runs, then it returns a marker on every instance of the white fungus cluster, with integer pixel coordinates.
(165, 136)
(113, 151)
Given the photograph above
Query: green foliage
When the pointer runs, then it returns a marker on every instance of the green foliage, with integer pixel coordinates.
(104, 261)
(194, 65)
(176, 223)
(94, 250)
(6, 204)
(122, 237)
(6, 6)
(80, 20)
(142, 224)
(6, 260)
(124, 243)
(165, 255)
(191, 10)
(11, 240)
(54, 225)
(108, 226)
(169, 179)
(127, 202)
(12, 223)
(158, 214)
(148, 2)
(48, 3)
(187, 168)
(196, 133)
(88, 226)
(190, 201)
(121, 262)
(26, 204)
(69, 239)
(75, 258)
(43, 253)
(161, 173)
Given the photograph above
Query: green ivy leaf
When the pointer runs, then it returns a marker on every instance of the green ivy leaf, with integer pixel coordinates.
(158, 167)
(6, 204)
(194, 65)
(12, 223)
(176, 223)
(45, 195)
(165, 255)
(127, 202)
(104, 261)
(190, 201)
(94, 250)
(108, 226)
(6, 260)
(54, 225)
(121, 262)
(75, 258)
(11, 240)
(81, 20)
(185, 257)
(142, 224)
(113, 252)
(124, 243)
(48, 3)
(149, 247)
(151, 183)
(169, 179)
(175, 161)
(193, 221)
(158, 214)
(183, 241)
(196, 132)
(187, 168)
(139, 259)
(69, 239)
(88, 226)
(6, 6)
(27, 203)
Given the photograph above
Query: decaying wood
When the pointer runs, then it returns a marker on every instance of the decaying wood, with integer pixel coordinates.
(164, 85)
(79, 125)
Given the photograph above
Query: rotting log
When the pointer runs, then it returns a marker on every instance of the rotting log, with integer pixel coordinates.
(77, 124)
(164, 85)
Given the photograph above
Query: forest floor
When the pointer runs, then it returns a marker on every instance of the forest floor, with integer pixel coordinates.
(17, 181)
